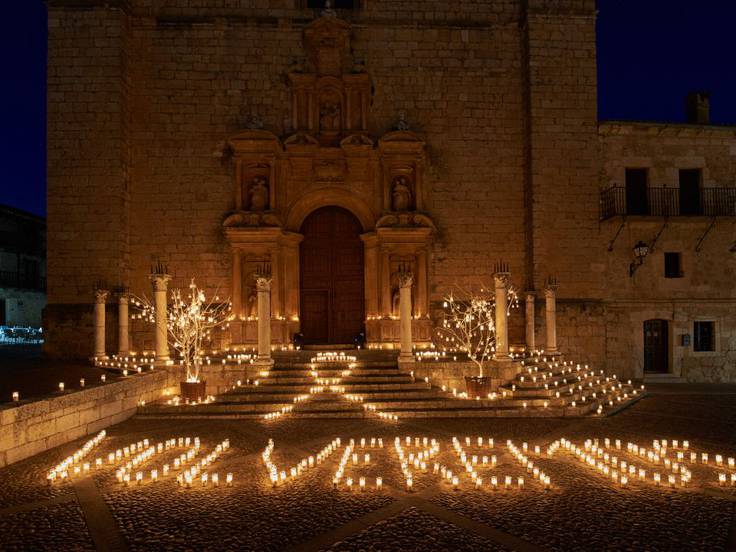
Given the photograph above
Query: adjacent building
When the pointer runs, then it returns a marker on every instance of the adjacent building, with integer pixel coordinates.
(341, 146)
(22, 267)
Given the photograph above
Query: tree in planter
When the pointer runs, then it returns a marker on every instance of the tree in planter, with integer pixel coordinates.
(468, 324)
(191, 320)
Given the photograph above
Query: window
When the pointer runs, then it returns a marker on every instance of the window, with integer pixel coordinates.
(705, 336)
(673, 265)
(636, 192)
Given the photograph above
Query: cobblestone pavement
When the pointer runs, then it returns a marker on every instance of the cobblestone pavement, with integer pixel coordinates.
(584, 510)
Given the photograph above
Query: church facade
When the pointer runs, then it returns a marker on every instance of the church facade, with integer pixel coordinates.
(339, 147)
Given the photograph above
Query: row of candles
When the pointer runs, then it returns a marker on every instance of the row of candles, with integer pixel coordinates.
(279, 477)
(146, 452)
(188, 475)
(619, 470)
(62, 469)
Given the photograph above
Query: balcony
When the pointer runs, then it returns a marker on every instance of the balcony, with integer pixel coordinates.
(668, 202)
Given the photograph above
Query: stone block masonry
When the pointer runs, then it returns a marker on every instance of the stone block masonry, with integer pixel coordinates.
(30, 428)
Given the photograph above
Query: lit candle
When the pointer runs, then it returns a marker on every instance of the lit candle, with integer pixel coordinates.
(61, 386)
(379, 483)
(16, 396)
(229, 479)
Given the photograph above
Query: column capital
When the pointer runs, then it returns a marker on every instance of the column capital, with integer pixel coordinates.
(101, 295)
(530, 295)
(406, 279)
(263, 282)
(551, 285)
(160, 281)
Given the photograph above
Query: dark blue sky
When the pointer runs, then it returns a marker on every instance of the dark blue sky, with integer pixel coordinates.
(650, 53)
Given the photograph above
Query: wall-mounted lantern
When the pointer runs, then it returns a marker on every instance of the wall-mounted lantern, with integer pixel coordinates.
(641, 250)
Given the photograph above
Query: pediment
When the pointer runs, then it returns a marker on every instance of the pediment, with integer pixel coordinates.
(254, 141)
(250, 219)
(401, 141)
(406, 221)
(301, 141)
(358, 140)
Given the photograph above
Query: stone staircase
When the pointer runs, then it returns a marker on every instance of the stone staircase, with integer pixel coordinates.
(373, 385)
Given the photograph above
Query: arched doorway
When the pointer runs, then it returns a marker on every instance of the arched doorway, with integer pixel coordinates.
(331, 277)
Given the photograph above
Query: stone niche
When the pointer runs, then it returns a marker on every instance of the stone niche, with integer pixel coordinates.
(328, 159)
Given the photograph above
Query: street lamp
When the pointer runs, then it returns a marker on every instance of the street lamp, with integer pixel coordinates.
(640, 251)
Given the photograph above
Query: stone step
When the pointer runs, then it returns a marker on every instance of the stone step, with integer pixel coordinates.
(354, 388)
(368, 397)
(346, 381)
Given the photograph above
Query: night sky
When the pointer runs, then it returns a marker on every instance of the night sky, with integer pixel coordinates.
(650, 54)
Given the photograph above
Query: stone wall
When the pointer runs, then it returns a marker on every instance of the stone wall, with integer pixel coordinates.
(29, 428)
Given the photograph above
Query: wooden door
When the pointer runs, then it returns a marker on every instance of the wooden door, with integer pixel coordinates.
(690, 192)
(331, 277)
(656, 346)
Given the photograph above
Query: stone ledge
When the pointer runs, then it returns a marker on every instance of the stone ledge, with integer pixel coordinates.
(29, 428)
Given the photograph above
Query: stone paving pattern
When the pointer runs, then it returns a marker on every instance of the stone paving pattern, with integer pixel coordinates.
(583, 511)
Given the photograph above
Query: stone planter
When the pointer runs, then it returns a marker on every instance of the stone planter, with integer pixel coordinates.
(478, 386)
(193, 391)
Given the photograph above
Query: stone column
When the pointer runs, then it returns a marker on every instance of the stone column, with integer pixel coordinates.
(529, 316)
(263, 285)
(123, 340)
(550, 297)
(160, 289)
(500, 279)
(405, 281)
(100, 303)
(237, 302)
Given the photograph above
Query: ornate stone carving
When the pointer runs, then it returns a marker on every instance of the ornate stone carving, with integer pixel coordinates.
(329, 170)
(253, 122)
(327, 42)
(101, 295)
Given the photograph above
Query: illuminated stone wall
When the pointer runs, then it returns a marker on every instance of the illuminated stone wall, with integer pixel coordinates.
(144, 95)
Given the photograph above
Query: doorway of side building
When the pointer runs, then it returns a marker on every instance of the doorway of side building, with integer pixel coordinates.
(331, 277)
(656, 346)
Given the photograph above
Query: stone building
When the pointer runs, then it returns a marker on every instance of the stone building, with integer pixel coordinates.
(22, 267)
(338, 146)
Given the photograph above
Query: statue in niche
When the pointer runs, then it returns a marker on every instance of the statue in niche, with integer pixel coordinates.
(397, 278)
(329, 115)
(400, 194)
(250, 305)
(402, 123)
(259, 193)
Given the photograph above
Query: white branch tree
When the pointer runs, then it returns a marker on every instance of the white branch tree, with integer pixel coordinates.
(468, 323)
(191, 320)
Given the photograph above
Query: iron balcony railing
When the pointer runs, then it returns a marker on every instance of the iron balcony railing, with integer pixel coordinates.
(667, 202)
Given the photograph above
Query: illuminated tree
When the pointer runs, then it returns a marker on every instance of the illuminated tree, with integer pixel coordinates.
(191, 321)
(468, 323)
